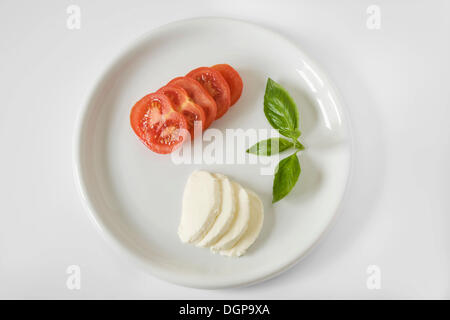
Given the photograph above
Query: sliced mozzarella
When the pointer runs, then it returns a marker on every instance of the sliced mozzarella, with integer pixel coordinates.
(240, 222)
(226, 214)
(253, 230)
(201, 203)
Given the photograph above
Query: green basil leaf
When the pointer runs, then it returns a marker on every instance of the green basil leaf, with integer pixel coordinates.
(299, 146)
(294, 134)
(280, 110)
(270, 146)
(286, 176)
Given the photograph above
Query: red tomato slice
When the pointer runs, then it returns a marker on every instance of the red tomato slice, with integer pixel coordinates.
(216, 85)
(157, 124)
(183, 104)
(199, 95)
(233, 79)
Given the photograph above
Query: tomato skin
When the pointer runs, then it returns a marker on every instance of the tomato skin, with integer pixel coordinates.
(216, 85)
(183, 104)
(157, 124)
(199, 95)
(233, 79)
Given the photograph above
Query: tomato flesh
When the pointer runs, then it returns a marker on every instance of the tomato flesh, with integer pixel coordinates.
(157, 124)
(233, 79)
(199, 95)
(183, 104)
(216, 85)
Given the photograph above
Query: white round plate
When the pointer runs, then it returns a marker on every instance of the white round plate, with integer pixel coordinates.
(134, 195)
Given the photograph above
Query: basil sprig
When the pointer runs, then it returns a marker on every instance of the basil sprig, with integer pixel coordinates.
(282, 114)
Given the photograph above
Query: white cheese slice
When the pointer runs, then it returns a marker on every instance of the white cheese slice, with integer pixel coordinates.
(201, 204)
(253, 230)
(226, 214)
(240, 221)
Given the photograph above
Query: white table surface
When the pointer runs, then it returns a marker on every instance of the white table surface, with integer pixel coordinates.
(394, 82)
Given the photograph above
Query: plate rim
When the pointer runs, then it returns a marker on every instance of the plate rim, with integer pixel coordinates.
(109, 236)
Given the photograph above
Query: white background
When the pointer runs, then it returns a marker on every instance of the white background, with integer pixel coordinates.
(394, 82)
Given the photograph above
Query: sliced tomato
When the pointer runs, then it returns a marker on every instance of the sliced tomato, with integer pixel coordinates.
(199, 95)
(183, 104)
(216, 85)
(157, 124)
(233, 79)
